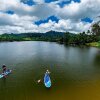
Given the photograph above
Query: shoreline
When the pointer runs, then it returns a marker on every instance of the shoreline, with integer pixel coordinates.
(92, 44)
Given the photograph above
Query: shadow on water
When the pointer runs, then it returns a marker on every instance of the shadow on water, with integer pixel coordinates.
(97, 59)
(3, 82)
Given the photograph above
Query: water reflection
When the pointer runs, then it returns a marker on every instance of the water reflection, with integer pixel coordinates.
(75, 71)
(97, 59)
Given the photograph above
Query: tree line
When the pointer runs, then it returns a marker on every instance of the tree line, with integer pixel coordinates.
(52, 36)
(84, 37)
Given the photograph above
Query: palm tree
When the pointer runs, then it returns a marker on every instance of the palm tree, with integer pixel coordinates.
(96, 28)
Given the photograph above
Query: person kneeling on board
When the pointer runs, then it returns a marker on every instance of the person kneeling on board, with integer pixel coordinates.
(4, 68)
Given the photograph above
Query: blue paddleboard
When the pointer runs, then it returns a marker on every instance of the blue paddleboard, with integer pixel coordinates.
(5, 73)
(47, 80)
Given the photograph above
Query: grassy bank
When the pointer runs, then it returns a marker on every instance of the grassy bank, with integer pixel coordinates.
(94, 44)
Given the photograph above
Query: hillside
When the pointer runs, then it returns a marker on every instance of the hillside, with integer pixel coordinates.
(48, 36)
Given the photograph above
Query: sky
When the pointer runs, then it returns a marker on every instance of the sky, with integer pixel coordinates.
(19, 16)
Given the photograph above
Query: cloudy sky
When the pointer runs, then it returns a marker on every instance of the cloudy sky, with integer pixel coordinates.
(18, 16)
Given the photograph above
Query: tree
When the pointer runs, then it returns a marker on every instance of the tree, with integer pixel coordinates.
(96, 29)
(88, 32)
(66, 37)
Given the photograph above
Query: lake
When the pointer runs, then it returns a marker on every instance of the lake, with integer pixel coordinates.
(75, 71)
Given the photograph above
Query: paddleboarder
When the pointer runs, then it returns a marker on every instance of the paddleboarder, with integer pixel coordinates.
(47, 71)
(4, 68)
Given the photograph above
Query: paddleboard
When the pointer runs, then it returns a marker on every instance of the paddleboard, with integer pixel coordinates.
(5, 73)
(47, 80)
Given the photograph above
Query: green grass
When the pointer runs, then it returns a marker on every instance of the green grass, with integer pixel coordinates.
(27, 39)
(94, 44)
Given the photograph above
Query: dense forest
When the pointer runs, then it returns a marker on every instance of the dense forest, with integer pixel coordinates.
(48, 36)
(61, 37)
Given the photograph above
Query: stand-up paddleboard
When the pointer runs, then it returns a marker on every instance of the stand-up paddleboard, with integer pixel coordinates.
(5, 73)
(47, 80)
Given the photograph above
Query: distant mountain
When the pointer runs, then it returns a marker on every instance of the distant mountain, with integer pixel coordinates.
(49, 33)
(48, 36)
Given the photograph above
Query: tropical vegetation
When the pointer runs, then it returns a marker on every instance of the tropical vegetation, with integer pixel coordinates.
(91, 38)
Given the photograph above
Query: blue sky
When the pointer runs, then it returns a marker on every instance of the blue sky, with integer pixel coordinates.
(61, 4)
(44, 15)
(52, 18)
(28, 2)
(11, 12)
(88, 20)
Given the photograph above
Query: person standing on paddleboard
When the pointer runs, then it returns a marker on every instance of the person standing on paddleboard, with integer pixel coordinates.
(48, 72)
(4, 68)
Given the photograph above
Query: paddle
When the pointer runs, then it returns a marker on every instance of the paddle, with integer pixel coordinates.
(40, 79)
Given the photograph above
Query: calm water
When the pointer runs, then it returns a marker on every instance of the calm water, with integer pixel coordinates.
(75, 71)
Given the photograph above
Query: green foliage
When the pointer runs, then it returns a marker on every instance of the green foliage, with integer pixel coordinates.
(9, 37)
(52, 36)
(79, 39)
(96, 29)
(94, 44)
(49, 36)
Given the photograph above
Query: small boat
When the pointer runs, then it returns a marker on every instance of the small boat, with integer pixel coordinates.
(47, 80)
(5, 73)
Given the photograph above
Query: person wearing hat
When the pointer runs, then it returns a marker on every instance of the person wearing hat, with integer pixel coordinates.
(4, 68)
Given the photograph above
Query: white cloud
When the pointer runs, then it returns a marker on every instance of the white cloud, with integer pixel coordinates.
(24, 16)
(39, 1)
(65, 25)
